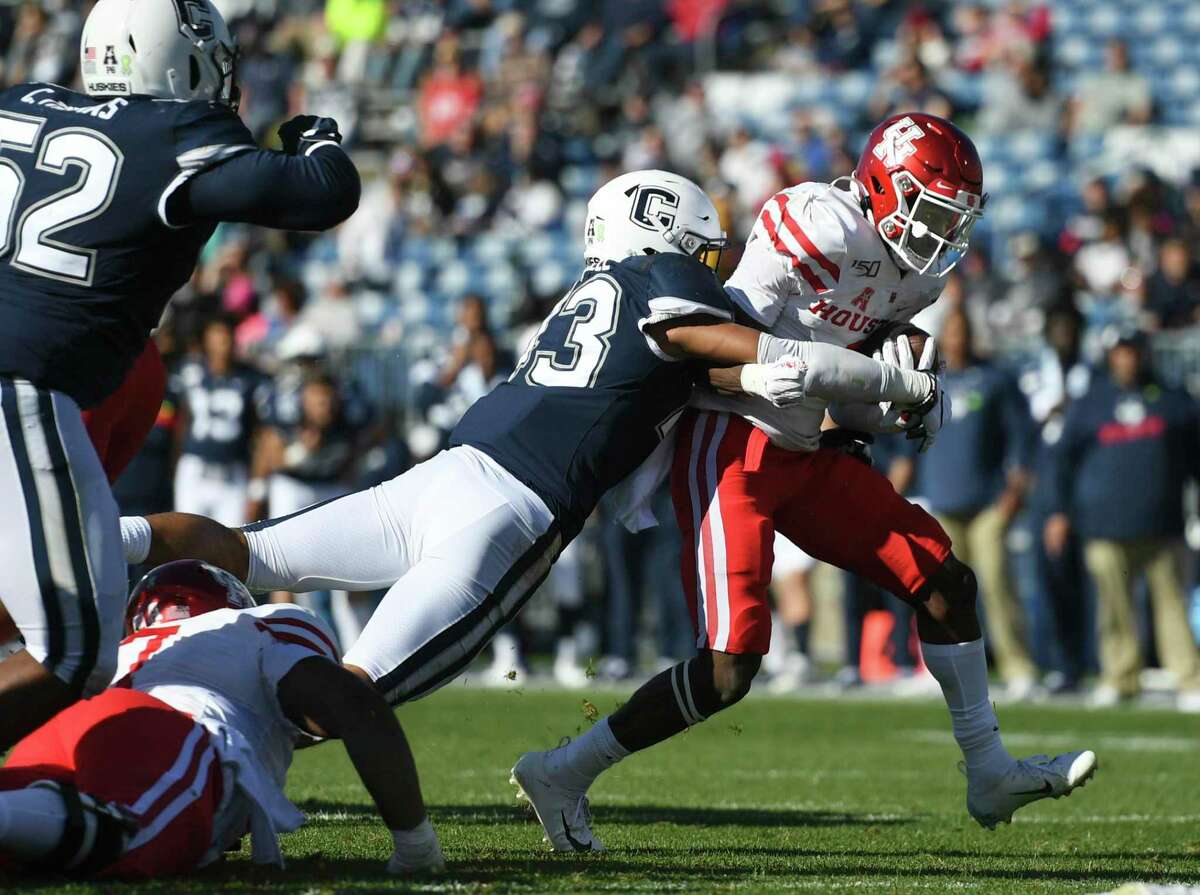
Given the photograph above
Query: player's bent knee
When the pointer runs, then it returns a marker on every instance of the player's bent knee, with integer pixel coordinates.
(956, 581)
(732, 676)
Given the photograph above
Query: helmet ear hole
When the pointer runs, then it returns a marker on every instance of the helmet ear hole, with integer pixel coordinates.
(876, 185)
(132, 45)
(194, 72)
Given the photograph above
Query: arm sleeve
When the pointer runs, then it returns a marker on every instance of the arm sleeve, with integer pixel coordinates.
(258, 186)
(839, 374)
(797, 248)
(682, 288)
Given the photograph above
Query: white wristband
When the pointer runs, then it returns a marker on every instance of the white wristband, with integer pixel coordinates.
(136, 536)
(754, 379)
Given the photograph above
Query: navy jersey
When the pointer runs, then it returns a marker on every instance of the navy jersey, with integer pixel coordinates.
(87, 261)
(223, 411)
(594, 394)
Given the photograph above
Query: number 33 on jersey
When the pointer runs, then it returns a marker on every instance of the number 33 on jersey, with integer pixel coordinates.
(590, 398)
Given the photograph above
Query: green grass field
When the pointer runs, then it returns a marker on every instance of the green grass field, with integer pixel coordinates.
(775, 795)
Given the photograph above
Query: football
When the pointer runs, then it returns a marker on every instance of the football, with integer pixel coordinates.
(917, 338)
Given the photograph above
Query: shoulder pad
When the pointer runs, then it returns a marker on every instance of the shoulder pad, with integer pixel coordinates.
(206, 133)
(809, 225)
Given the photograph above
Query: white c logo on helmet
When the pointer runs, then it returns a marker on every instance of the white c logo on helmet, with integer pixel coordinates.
(896, 144)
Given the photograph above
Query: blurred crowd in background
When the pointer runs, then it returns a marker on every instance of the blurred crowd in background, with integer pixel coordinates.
(305, 366)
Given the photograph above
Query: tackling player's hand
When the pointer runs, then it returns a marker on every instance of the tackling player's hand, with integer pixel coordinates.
(304, 132)
(781, 382)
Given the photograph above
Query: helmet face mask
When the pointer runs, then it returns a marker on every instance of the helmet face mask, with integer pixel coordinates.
(933, 233)
(922, 182)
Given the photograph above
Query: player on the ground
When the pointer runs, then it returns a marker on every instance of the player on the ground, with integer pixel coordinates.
(464, 539)
(832, 263)
(189, 749)
(106, 199)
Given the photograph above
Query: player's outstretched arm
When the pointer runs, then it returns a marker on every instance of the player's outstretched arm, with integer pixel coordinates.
(785, 371)
(166, 537)
(327, 700)
(311, 185)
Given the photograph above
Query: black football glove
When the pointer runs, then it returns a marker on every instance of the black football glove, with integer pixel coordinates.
(849, 442)
(305, 131)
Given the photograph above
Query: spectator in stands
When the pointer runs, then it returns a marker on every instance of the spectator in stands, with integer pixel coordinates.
(1127, 451)
(1173, 292)
(1022, 99)
(449, 95)
(1061, 376)
(259, 335)
(334, 316)
(1117, 95)
(975, 479)
(44, 44)
(910, 89)
(1101, 265)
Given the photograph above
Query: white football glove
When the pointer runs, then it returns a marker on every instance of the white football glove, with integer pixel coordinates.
(780, 382)
(923, 421)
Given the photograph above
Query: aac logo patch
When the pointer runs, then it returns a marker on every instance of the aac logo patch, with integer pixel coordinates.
(653, 207)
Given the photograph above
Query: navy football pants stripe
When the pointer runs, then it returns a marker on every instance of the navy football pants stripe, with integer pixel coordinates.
(72, 514)
(33, 513)
(435, 664)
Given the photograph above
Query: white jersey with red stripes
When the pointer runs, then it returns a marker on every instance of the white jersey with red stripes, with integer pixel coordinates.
(814, 269)
(222, 668)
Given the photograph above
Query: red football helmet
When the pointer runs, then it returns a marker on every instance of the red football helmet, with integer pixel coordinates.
(924, 183)
(183, 589)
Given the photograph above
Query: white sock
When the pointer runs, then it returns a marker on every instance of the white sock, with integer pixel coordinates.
(135, 538)
(961, 670)
(586, 757)
(31, 822)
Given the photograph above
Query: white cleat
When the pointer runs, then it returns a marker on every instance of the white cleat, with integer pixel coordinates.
(993, 801)
(562, 811)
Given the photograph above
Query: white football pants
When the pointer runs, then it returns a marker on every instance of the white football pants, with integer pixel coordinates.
(459, 541)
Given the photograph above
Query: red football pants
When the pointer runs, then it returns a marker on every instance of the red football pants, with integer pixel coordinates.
(119, 424)
(732, 491)
(127, 747)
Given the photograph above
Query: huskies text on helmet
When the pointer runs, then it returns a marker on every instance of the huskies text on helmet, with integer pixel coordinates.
(170, 49)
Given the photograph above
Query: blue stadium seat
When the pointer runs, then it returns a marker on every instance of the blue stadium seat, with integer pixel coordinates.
(454, 278)
(501, 280)
(410, 277)
(1151, 20)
